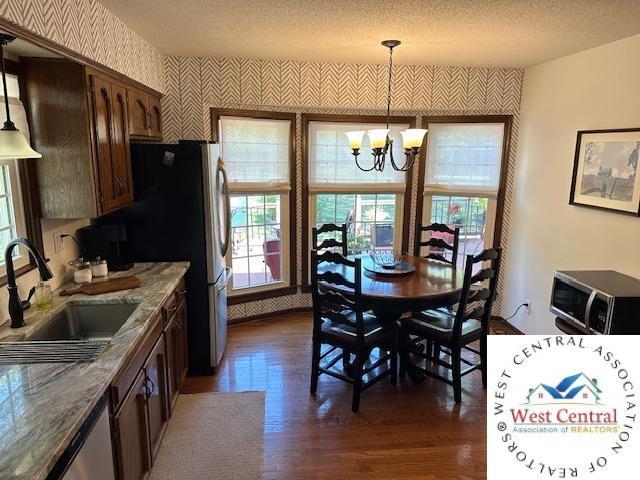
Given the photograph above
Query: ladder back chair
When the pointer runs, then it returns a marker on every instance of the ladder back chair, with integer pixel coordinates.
(337, 244)
(455, 330)
(437, 242)
(341, 322)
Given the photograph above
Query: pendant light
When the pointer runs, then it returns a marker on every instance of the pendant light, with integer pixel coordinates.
(13, 144)
(379, 139)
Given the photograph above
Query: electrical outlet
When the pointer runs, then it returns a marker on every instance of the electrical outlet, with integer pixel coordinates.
(528, 302)
(57, 242)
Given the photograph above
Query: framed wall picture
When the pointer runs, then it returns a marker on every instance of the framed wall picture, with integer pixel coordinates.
(605, 170)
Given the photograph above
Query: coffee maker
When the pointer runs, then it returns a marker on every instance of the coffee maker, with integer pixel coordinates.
(108, 242)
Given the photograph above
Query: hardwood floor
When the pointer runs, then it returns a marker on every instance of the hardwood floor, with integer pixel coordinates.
(405, 432)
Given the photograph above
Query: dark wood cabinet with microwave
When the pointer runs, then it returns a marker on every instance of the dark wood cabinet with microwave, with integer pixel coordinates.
(601, 302)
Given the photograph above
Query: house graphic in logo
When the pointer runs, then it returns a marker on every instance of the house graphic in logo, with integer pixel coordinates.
(578, 388)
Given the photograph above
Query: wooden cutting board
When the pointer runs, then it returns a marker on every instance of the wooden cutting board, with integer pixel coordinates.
(105, 286)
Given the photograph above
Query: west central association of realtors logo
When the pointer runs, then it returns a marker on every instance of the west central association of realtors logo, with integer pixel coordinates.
(560, 407)
(578, 388)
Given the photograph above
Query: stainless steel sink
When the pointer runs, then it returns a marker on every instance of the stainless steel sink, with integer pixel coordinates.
(85, 322)
(78, 333)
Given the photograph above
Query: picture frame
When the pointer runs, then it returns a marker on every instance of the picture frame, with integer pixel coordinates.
(606, 173)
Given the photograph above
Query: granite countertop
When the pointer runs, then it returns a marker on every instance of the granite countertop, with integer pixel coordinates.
(42, 406)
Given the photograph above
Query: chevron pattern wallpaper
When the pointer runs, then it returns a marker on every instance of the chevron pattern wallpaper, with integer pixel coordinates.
(194, 85)
(88, 28)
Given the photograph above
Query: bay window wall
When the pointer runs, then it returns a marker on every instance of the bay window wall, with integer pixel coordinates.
(462, 179)
(257, 148)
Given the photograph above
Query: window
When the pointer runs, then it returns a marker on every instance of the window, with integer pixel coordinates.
(370, 203)
(462, 179)
(256, 148)
(12, 217)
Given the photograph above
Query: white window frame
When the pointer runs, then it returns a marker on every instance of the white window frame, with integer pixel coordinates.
(435, 190)
(285, 239)
(264, 188)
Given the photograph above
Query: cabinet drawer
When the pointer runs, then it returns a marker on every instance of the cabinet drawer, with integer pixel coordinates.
(127, 374)
(170, 306)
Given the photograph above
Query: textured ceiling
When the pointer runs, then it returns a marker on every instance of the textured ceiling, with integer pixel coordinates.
(516, 33)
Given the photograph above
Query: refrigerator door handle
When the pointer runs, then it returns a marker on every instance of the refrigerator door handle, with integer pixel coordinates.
(224, 280)
(227, 213)
(227, 277)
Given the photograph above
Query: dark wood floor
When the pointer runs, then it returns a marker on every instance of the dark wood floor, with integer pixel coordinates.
(405, 432)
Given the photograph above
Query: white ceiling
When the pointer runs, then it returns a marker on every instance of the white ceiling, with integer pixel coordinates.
(516, 33)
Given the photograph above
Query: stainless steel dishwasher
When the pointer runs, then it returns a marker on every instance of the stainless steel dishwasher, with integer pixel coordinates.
(89, 455)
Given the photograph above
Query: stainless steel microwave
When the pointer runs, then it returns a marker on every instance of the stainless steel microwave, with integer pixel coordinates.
(601, 302)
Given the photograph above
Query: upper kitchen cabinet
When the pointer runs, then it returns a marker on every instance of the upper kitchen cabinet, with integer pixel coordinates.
(81, 122)
(145, 120)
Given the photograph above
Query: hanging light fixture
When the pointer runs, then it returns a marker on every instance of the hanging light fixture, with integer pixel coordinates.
(379, 139)
(13, 144)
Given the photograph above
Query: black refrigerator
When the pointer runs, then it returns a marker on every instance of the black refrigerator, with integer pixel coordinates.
(181, 212)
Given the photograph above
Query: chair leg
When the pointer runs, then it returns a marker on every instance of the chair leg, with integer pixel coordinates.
(430, 350)
(483, 359)
(403, 344)
(394, 359)
(358, 367)
(315, 365)
(457, 378)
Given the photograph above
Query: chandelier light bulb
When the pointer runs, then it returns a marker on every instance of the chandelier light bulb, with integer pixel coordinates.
(413, 137)
(355, 139)
(378, 137)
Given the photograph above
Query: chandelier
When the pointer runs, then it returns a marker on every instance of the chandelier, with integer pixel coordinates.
(379, 139)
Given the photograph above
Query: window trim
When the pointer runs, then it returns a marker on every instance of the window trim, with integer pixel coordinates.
(28, 184)
(335, 118)
(285, 220)
(260, 293)
(504, 166)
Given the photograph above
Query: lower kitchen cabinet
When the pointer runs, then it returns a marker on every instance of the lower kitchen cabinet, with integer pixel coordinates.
(130, 433)
(152, 378)
(176, 343)
(157, 400)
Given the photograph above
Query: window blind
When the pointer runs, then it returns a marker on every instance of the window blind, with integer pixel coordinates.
(332, 166)
(464, 156)
(256, 152)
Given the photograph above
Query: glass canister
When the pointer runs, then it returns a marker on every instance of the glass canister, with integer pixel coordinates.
(42, 296)
(99, 268)
(83, 274)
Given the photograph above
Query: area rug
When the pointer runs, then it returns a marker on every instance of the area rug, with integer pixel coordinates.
(213, 436)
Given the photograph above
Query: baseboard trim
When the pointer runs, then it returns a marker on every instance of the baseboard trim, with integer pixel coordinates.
(264, 316)
(498, 318)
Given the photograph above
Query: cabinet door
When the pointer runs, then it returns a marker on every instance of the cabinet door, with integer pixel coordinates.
(182, 362)
(155, 118)
(103, 131)
(138, 104)
(171, 336)
(157, 404)
(123, 183)
(131, 433)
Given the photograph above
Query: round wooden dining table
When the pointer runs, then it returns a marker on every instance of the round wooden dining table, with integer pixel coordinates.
(433, 284)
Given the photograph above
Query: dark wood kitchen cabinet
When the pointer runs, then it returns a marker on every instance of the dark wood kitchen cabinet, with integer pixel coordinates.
(158, 396)
(176, 342)
(80, 120)
(113, 161)
(145, 118)
(129, 433)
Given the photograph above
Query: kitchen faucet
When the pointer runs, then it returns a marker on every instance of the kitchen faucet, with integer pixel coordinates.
(17, 306)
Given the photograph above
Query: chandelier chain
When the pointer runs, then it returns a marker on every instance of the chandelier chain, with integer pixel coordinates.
(389, 78)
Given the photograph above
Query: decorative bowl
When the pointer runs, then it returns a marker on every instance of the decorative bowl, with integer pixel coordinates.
(388, 259)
